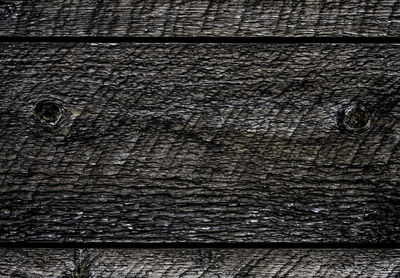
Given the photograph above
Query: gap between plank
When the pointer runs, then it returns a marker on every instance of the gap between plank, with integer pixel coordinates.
(266, 40)
(181, 245)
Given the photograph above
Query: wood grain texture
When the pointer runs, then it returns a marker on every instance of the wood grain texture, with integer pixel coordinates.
(196, 263)
(239, 18)
(198, 143)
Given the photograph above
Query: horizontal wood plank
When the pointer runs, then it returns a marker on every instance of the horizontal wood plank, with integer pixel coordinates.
(196, 263)
(199, 142)
(171, 18)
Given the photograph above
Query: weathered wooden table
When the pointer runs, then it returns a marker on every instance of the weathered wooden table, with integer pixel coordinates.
(199, 138)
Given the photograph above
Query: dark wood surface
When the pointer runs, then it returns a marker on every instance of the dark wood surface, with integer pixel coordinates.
(196, 263)
(241, 18)
(199, 142)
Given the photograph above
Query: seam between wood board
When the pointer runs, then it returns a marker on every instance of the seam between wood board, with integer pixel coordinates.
(245, 245)
(265, 40)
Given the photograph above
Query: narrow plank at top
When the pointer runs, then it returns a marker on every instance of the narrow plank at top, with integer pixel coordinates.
(171, 18)
(199, 142)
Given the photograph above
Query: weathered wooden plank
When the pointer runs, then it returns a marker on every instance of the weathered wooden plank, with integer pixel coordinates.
(200, 18)
(199, 142)
(193, 263)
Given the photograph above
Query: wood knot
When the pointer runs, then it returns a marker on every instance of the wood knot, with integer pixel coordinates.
(48, 112)
(354, 118)
(6, 9)
(5, 211)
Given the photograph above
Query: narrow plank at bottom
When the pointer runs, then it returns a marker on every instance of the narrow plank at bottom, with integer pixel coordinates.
(85, 263)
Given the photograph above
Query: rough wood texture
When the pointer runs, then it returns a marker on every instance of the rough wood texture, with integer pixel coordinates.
(197, 263)
(199, 142)
(199, 18)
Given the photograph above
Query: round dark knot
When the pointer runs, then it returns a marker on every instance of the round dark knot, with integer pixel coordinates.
(5, 211)
(6, 9)
(354, 118)
(48, 112)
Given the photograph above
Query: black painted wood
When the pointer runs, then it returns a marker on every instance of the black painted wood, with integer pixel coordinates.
(199, 142)
(196, 263)
(323, 18)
